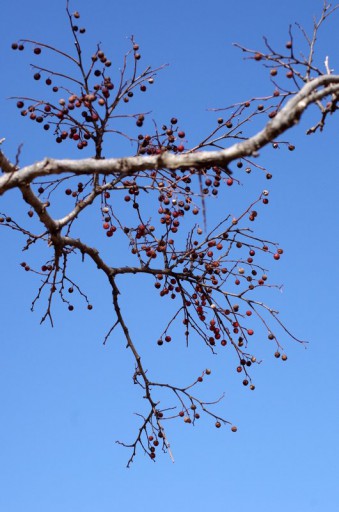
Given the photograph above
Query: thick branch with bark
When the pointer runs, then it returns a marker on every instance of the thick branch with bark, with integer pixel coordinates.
(312, 92)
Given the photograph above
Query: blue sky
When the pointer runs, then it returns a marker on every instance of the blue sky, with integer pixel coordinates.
(65, 398)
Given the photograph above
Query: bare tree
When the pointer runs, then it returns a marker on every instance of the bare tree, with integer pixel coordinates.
(155, 203)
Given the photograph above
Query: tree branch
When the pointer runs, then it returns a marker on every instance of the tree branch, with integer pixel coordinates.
(286, 118)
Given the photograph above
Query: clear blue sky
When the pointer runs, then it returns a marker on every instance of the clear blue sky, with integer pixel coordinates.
(65, 398)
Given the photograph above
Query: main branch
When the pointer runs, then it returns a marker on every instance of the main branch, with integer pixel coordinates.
(314, 91)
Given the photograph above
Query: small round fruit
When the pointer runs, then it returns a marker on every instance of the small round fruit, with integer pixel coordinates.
(234, 428)
(218, 424)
